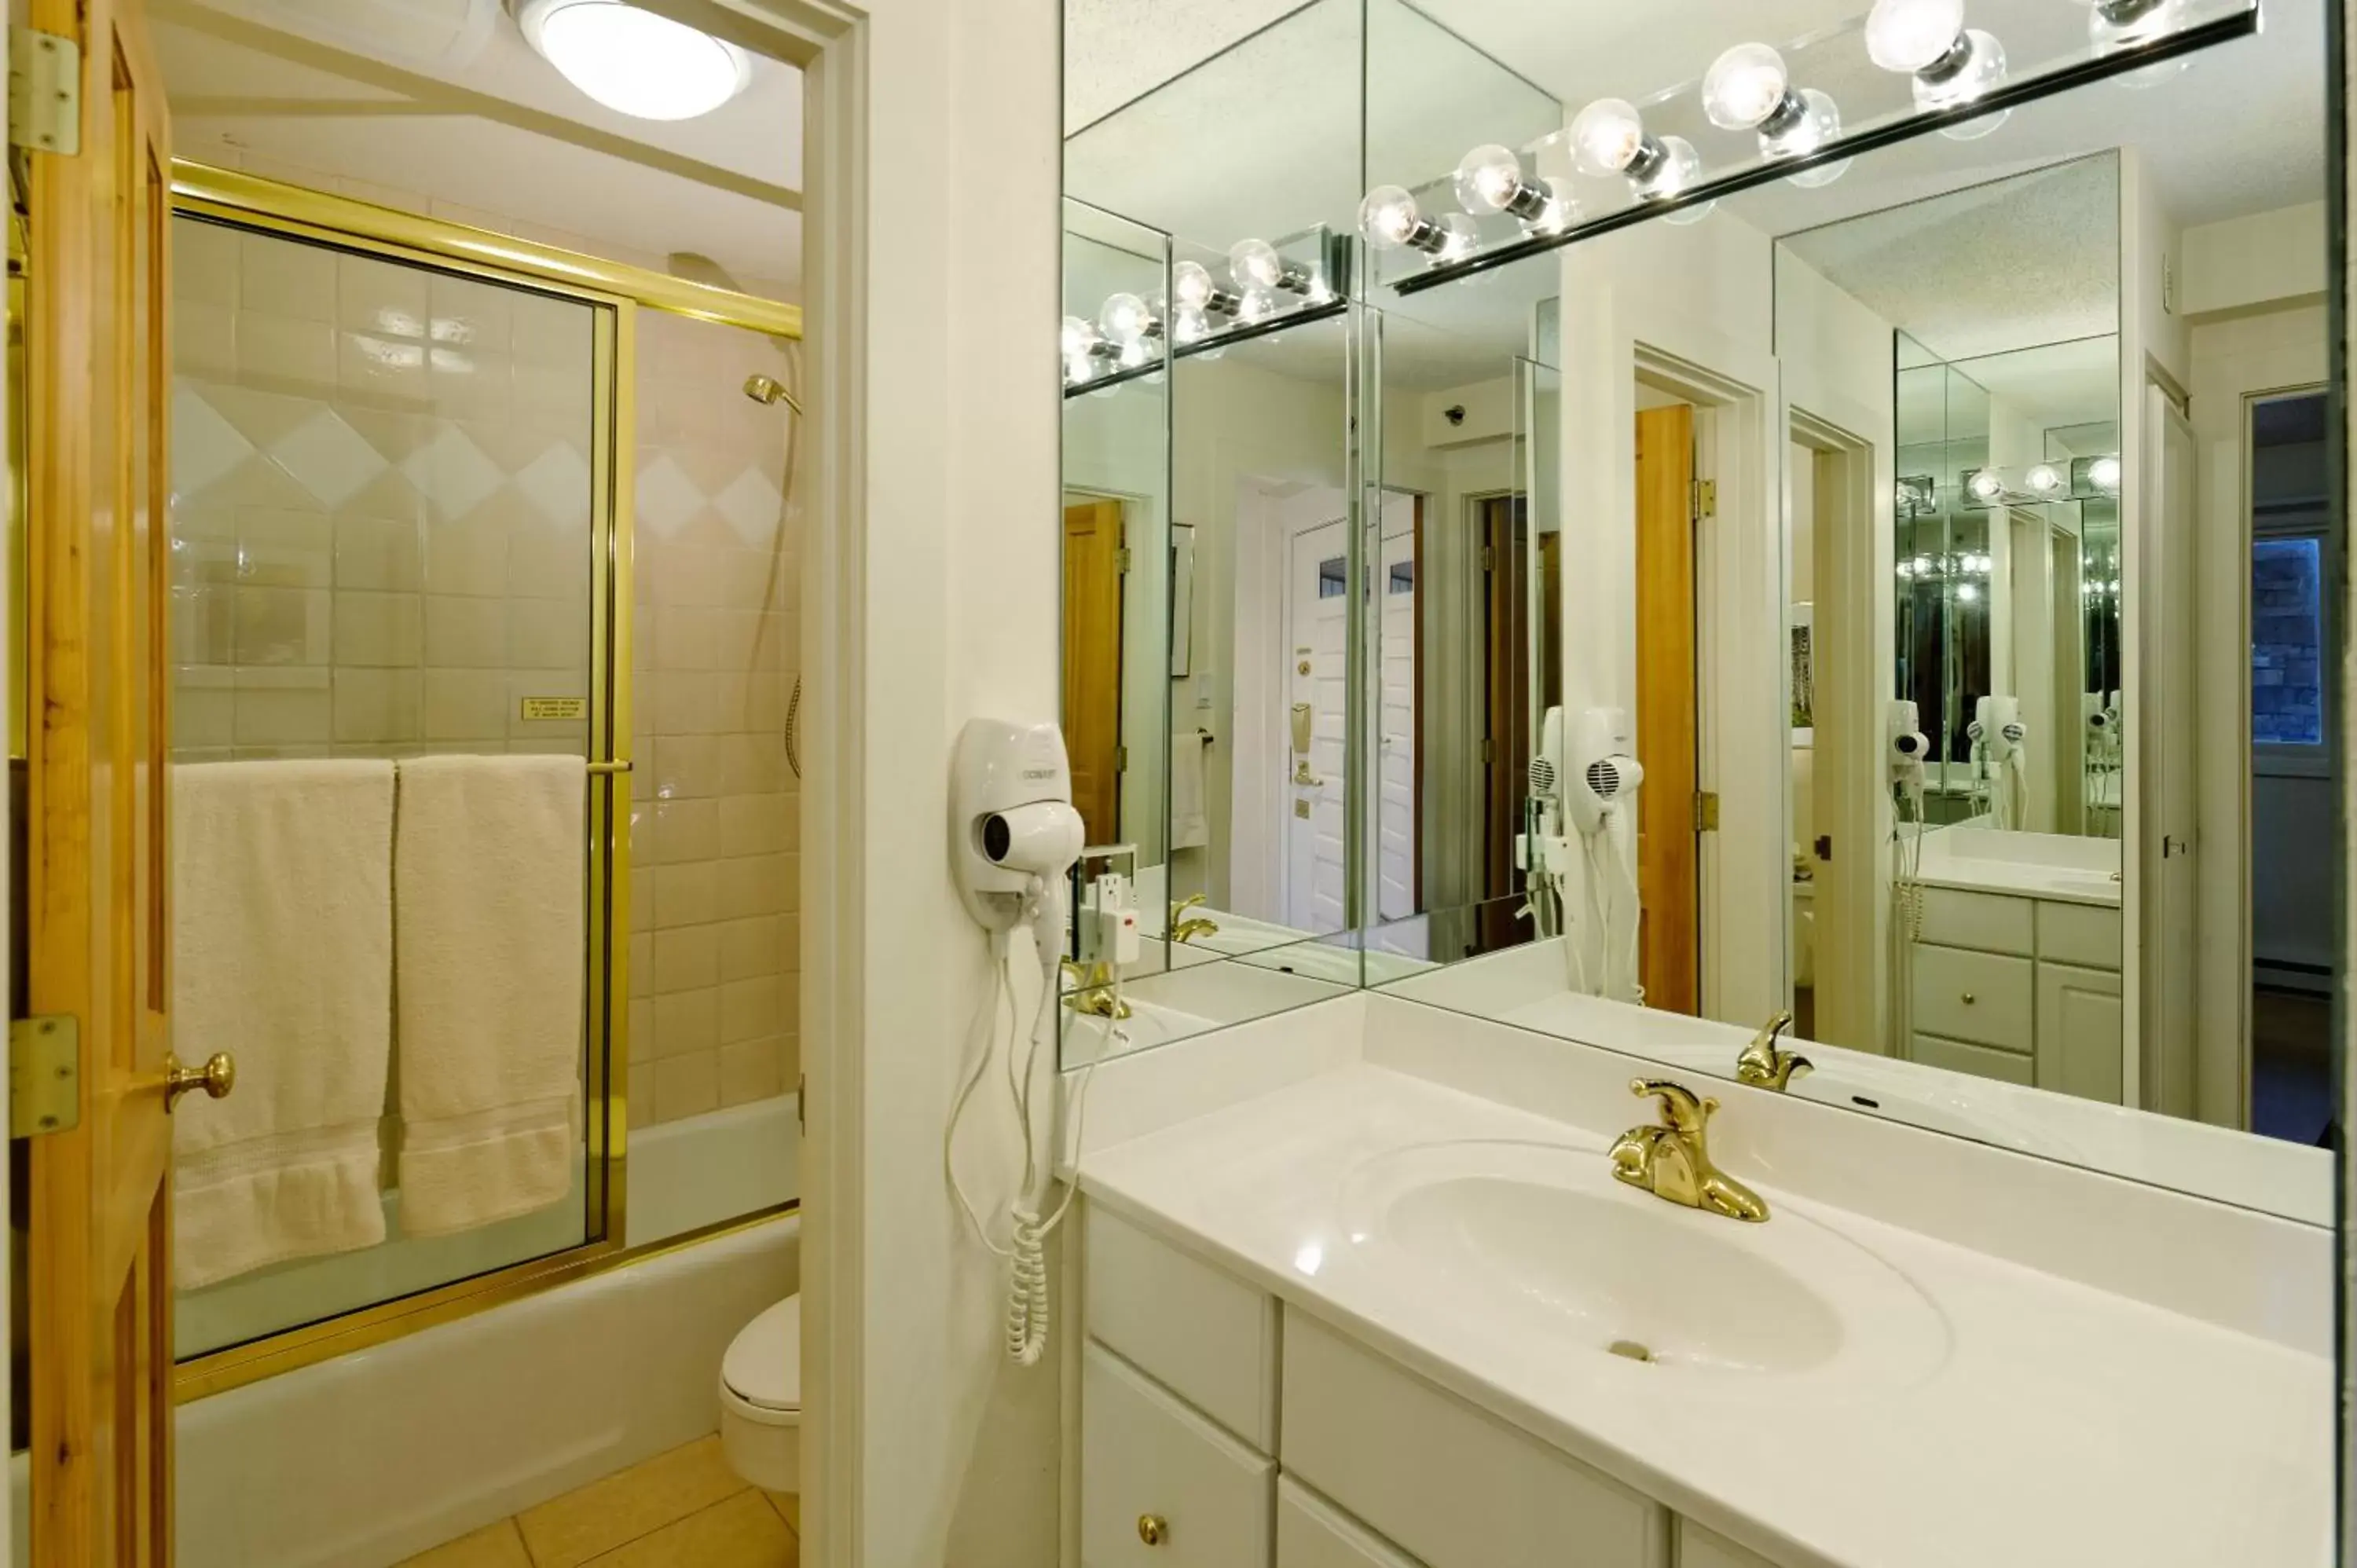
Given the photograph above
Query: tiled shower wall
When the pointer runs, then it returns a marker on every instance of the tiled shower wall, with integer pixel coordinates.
(716, 847)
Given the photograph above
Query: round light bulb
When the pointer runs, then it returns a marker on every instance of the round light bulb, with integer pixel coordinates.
(1606, 136)
(1906, 568)
(1124, 319)
(2044, 479)
(1984, 67)
(1680, 166)
(1561, 207)
(1819, 123)
(1967, 592)
(1824, 174)
(1488, 179)
(1744, 86)
(1254, 264)
(1986, 486)
(635, 61)
(1461, 237)
(1189, 326)
(2105, 473)
(1191, 286)
(1908, 35)
(1387, 217)
(1923, 566)
(1258, 304)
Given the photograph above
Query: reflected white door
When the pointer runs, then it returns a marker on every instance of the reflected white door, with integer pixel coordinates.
(1395, 810)
(1317, 606)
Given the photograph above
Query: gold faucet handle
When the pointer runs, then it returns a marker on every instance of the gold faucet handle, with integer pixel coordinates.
(1682, 1111)
(1193, 900)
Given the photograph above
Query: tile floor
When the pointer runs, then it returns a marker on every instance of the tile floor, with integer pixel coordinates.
(682, 1509)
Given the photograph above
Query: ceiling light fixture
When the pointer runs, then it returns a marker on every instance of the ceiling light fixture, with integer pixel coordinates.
(1490, 179)
(1749, 89)
(1609, 137)
(634, 61)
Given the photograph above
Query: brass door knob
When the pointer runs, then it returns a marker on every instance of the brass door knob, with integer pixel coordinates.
(216, 1078)
(1153, 1528)
(1970, 999)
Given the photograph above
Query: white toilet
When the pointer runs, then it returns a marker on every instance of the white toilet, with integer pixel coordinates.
(762, 1399)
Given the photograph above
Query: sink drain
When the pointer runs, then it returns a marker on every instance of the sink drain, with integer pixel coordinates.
(1631, 1349)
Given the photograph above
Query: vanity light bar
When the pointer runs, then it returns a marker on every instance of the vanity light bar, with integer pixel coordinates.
(1208, 317)
(2079, 479)
(1965, 89)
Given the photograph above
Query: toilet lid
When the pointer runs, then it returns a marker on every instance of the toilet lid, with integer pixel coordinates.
(764, 1364)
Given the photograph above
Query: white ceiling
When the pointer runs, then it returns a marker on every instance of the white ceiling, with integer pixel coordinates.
(239, 100)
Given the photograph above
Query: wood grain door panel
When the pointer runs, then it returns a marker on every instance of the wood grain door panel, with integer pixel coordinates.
(1668, 859)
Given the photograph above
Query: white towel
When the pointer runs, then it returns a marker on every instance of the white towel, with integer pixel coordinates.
(282, 954)
(488, 899)
(1191, 823)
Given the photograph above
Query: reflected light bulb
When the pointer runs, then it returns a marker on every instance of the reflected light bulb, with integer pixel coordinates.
(2044, 479)
(1802, 121)
(1967, 592)
(2105, 473)
(2123, 24)
(1124, 319)
(1986, 486)
(1963, 74)
(1923, 566)
(1191, 286)
(1254, 264)
(1607, 136)
(1908, 35)
(1388, 216)
(1824, 174)
(1676, 167)
(1489, 179)
(1458, 238)
(1076, 338)
(1744, 87)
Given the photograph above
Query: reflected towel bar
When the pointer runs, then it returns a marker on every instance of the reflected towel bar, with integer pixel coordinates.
(620, 766)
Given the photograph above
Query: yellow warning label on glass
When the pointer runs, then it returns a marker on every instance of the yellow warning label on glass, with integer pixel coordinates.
(556, 708)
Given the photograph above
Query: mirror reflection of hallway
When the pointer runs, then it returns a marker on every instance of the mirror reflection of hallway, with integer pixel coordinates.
(1093, 574)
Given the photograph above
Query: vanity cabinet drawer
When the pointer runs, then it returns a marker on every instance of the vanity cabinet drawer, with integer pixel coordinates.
(1145, 1455)
(1699, 1547)
(1990, 922)
(1447, 1482)
(1200, 1330)
(1981, 1061)
(2085, 934)
(1986, 998)
(1313, 1533)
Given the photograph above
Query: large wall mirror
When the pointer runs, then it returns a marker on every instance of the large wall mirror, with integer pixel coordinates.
(1651, 566)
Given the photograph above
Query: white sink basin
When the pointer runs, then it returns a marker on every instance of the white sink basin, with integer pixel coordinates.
(1542, 1231)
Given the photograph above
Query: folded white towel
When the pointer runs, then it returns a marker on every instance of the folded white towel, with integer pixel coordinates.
(282, 945)
(1190, 820)
(488, 877)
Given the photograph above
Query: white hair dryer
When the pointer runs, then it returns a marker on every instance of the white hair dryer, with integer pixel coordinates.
(1014, 838)
(1999, 736)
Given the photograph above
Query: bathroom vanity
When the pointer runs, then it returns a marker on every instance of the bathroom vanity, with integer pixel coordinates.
(1359, 1288)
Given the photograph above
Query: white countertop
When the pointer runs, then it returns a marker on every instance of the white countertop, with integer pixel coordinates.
(2060, 866)
(2056, 1424)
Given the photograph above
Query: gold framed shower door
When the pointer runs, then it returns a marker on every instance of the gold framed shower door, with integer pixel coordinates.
(616, 292)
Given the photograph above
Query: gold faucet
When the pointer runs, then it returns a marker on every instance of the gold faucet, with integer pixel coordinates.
(1188, 930)
(1092, 991)
(1763, 1065)
(1672, 1160)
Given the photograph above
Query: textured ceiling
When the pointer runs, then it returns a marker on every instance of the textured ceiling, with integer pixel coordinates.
(2035, 259)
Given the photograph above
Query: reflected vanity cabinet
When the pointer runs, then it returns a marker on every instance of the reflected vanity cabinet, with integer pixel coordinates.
(1220, 1428)
(2024, 990)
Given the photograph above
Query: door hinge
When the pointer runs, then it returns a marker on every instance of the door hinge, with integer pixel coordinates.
(43, 91)
(1825, 847)
(1706, 810)
(1706, 499)
(1121, 760)
(44, 1075)
(1489, 749)
(1489, 558)
(1121, 560)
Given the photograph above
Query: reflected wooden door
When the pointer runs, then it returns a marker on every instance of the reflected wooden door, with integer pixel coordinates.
(98, 385)
(1093, 663)
(1669, 962)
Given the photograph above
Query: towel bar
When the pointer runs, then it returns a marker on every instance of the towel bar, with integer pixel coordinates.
(620, 766)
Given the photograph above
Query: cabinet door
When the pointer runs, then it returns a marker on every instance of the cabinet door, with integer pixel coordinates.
(1161, 1486)
(1985, 998)
(1313, 1533)
(2080, 1031)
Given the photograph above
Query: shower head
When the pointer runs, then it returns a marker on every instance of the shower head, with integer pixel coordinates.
(769, 389)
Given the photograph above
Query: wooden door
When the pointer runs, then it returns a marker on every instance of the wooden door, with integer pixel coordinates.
(100, 1244)
(1669, 962)
(2162, 718)
(1093, 663)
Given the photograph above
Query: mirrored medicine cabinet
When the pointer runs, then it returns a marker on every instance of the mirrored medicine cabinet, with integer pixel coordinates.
(1593, 527)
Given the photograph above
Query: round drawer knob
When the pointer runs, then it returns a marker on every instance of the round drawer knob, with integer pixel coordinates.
(1153, 1528)
(1969, 998)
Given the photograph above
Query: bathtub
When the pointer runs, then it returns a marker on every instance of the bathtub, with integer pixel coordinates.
(376, 1455)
